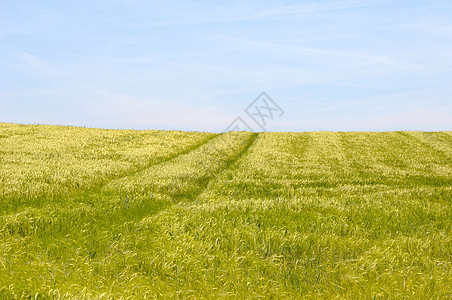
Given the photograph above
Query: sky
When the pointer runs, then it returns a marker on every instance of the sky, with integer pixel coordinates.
(197, 65)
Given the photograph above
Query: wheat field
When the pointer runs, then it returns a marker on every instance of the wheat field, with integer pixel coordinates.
(123, 214)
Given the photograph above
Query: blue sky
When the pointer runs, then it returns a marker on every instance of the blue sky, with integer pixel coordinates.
(196, 65)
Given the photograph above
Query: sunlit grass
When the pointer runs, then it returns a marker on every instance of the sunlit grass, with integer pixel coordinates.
(147, 214)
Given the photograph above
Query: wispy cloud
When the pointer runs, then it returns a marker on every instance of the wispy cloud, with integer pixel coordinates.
(191, 13)
(31, 64)
(133, 111)
(30, 60)
(363, 58)
(196, 64)
(310, 8)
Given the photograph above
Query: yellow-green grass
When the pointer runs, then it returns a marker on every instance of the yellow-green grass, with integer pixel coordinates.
(167, 214)
(44, 162)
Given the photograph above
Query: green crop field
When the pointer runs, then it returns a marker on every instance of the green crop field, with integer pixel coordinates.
(123, 214)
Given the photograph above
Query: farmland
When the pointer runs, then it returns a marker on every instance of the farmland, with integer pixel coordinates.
(92, 213)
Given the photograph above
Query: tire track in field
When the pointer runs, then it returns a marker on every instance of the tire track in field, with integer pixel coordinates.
(228, 166)
(24, 220)
(189, 173)
(205, 186)
(81, 194)
(98, 188)
(427, 142)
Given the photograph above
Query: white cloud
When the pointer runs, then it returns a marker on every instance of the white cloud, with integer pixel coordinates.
(212, 58)
(30, 60)
(310, 8)
(123, 110)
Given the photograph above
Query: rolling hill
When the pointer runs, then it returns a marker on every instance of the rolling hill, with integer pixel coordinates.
(92, 213)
